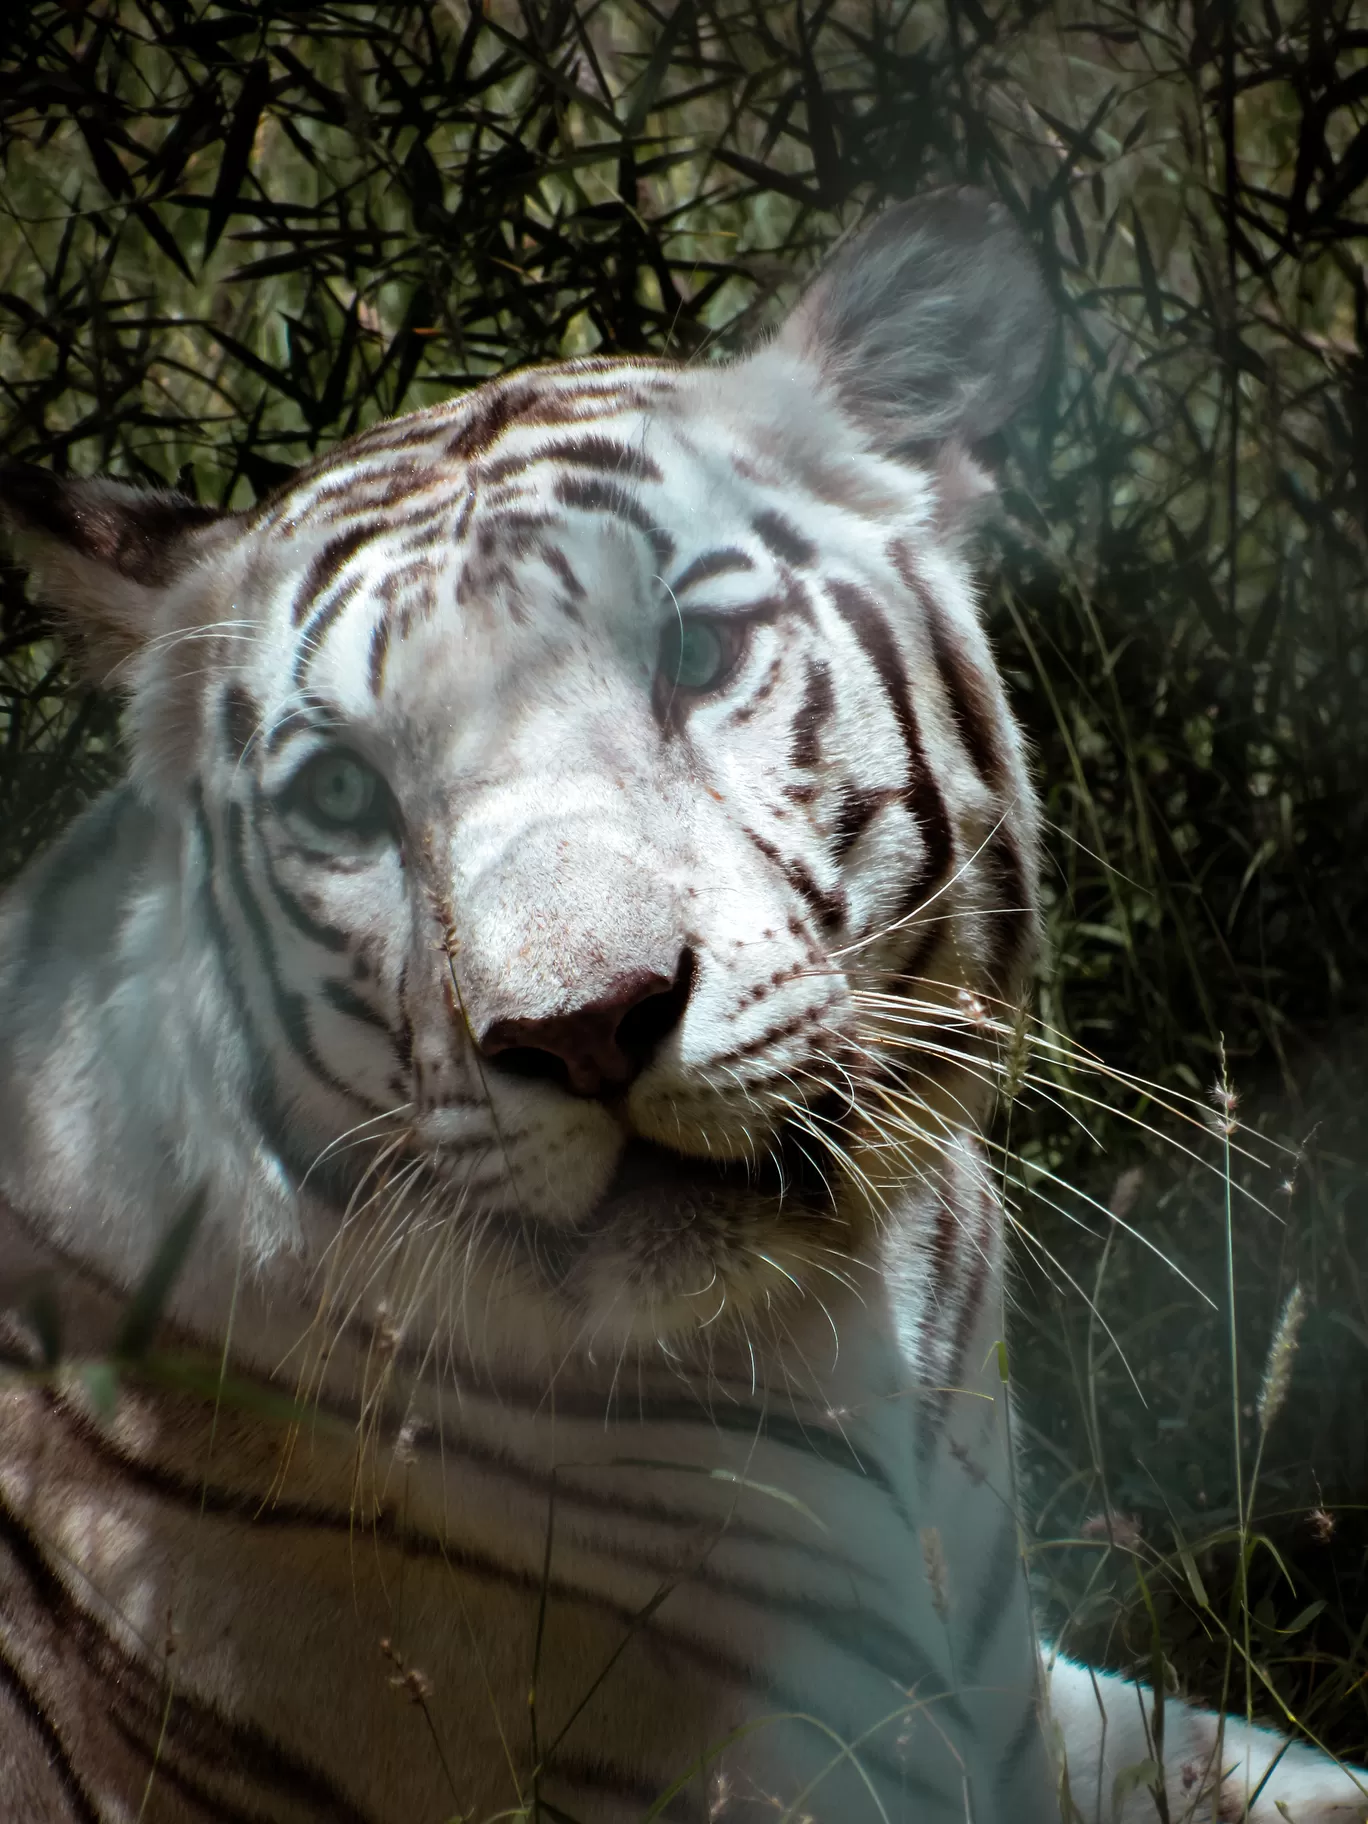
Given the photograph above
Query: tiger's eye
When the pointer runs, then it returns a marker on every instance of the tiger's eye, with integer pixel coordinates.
(693, 653)
(336, 791)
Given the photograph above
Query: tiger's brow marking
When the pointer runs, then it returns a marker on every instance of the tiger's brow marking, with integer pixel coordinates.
(783, 539)
(344, 592)
(591, 496)
(626, 461)
(325, 566)
(709, 564)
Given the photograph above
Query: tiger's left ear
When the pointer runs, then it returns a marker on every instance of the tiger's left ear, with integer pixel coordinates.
(106, 556)
(930, 327)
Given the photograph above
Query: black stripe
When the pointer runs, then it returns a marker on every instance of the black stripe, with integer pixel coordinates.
(334, 1177)
(535, 403)
(783, 538)
(1014, 923)
(311, 636)
(789, 1432)
(329, 937)
(117, 818)
(247, 1505)
(512, 533)
(325, 859)
(378, 488)
(379, 649)
(922, 796)
(189, 1720)
(864, 1636)
(254, 1756)
(343, 1000)
(422, 523)
(858, 810)
(290, 1007)
(971, 701)
(991, 1602)
(815, 711)
(710, 564)
(55, 1750)
(1028, 1734)
(590, 452)
(557, 562)
(312, 713)
(241, 715)
(262, 1090)
(405, 595)
(829, 908)
(278, 1514)
(403, 1039)
(325, 566)
(786, 1431)
(410, 432)
(592, 496)
(765, 1040)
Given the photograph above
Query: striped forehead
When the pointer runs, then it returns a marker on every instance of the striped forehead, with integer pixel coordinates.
(488, 503)
(393, 466)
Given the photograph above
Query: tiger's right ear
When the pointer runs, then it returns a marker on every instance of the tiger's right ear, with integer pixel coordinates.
(928, 328)
(106, 556)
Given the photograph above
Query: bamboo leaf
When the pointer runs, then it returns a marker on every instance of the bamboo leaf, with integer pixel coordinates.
(237, 151)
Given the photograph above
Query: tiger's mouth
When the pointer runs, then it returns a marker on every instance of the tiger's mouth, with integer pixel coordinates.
(678, 1241)
(798, 1168)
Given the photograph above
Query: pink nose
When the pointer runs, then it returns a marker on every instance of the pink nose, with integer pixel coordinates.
(598, 1048)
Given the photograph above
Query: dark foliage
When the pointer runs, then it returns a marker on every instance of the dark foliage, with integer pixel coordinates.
(236, 231)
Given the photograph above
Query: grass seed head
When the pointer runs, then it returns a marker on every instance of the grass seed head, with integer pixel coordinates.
(1281, 1354)
(937, 1571)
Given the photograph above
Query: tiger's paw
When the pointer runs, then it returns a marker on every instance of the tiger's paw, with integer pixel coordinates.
(1211, 1770)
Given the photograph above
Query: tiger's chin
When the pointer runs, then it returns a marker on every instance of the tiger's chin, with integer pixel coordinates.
(682, 1247)
(651, 1248)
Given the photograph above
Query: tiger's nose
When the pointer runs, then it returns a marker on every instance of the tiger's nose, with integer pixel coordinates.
(599, 1048)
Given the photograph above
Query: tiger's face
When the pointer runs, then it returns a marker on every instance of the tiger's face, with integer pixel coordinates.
(575, 776)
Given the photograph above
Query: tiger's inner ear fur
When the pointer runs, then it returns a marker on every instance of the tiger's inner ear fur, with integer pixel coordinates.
(106, 556)
(929, 329)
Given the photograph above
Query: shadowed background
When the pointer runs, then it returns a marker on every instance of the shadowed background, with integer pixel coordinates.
(232, 233)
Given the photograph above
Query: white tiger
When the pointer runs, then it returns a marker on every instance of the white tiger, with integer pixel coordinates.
(568, 836)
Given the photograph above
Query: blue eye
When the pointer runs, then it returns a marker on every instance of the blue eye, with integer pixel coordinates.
(337, 792)
(341, 790)
(695, 654)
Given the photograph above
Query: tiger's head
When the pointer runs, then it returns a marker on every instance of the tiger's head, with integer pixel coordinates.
(595, 795)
